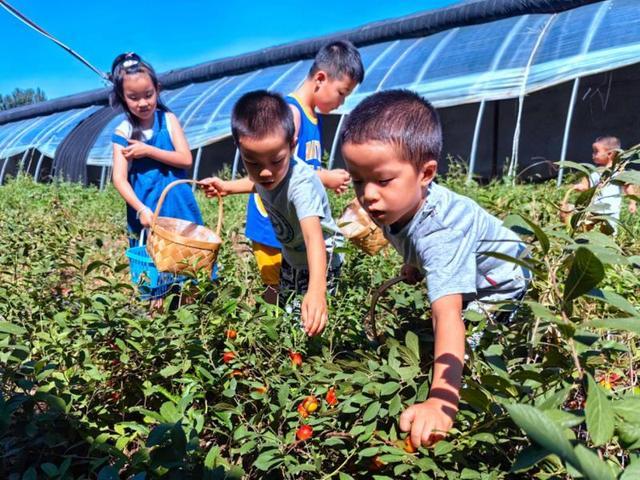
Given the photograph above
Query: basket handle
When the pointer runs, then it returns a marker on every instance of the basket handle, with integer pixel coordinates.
(178, 182)
(370, 322)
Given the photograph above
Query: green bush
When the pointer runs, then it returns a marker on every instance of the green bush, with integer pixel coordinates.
(94, 385)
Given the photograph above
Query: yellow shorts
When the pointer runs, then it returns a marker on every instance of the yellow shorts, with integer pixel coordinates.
(269, 260)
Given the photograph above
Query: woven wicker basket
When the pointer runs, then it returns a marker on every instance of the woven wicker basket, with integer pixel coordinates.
(180, 246)
(356, 225)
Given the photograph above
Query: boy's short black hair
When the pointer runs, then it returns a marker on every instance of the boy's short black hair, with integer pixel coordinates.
(260, 113)
(611, 142)
(400, 118)
(337, 59)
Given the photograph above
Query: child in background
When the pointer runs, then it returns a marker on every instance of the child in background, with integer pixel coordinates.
(263, 128)
(149, 148)
(391, 143)
(608, 200)
(336, 71)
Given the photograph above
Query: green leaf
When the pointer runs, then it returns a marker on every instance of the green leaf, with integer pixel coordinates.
(525, 263)
(389, 388)
(599, 414)
(170, 370)
(283, 395)
(108, 472)
(542, 430)
(615, 300)
(629, 434)
(93, 265)
(395, 406)
(585, 273)
(632, 472)
(11, 328)
(541, 311)
(369, 452)
(628, 409)
(371, 412)
(210, 459)
(529, 457)
(591, 466)
(539, 234)
(630, 176)
(266, 460)
(581, 167)
(631, 324)
(30, 474)
(412, 343)
(50, 469)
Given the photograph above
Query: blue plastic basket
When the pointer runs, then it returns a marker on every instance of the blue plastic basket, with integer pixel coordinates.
(151, 283)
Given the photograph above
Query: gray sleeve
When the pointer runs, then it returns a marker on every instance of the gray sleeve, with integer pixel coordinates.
(449, 262)
(306, 198)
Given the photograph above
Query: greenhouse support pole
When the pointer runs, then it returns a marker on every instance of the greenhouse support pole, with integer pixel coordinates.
(334, 145)
(22, 160)
(103, 173)
(196, 167)
(474, 144)
(236, 159)
(586, 43)
(38, 165)
(513, 165)
(4, 166)
(567, 128)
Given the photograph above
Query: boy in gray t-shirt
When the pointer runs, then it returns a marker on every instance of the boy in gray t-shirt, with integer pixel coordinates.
(391, 143)
(263, 129)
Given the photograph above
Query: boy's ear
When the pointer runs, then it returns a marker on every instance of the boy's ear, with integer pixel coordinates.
(320, 77)
(427, 172)
(294, 142)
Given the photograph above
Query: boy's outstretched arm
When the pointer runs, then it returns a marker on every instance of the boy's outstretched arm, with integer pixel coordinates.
(314, 304)
(631, 190)
(582, 185)
(430, 421)
(213, 186)
(337, 179)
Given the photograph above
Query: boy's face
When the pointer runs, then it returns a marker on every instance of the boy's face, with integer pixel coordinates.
(329, 92)
(266, 159)
(602, 155)
(390, 188)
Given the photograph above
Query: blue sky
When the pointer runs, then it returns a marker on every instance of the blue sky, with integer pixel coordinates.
(167, 34)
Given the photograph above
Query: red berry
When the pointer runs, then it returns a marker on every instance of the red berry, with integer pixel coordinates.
(304, 432)
(228, 356)
(302, 411)
(231, 334)
(331, 398)
(296, 358)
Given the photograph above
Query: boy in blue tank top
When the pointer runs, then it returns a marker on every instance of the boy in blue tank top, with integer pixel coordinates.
(336, 71)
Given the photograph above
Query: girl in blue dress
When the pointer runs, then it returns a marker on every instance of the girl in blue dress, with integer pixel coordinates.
(150, 149)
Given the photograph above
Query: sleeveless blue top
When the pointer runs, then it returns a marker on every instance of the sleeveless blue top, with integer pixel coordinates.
(149, 177)
(309, 148)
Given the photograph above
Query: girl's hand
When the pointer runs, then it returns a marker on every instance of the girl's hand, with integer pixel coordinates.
(314, 312)
(411, 274)
(214, 186)
(145, 215)
(136, 149)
